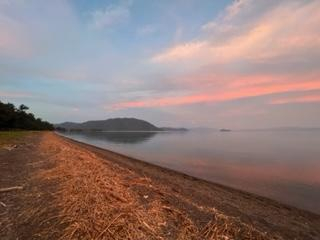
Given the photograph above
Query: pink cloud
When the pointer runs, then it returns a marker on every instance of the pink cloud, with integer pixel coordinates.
(250, 37)
(13, 40)
(226, 94)
(269, 36)
(181, 51)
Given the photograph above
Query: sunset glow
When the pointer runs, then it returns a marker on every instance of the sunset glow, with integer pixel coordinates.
(109, 59)
(160, 119)
(229, 94)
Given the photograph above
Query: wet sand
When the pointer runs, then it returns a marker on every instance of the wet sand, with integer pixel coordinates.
(73, 190)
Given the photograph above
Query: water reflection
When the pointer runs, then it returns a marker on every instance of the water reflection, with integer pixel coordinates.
(115, 137)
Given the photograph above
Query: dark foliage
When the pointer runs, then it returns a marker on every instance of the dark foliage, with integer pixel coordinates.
(17, 118)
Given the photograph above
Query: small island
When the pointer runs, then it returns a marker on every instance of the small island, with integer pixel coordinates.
(225, 130)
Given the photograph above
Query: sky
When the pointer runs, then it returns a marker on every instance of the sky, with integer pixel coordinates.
(189, 63)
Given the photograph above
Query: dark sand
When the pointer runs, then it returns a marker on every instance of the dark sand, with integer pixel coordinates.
(75, 191)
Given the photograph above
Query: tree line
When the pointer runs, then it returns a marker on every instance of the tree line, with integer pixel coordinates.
(17, 118)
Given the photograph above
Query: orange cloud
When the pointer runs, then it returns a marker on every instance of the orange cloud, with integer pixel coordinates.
(222, 95)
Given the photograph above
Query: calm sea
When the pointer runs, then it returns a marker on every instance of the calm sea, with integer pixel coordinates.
(282, 165)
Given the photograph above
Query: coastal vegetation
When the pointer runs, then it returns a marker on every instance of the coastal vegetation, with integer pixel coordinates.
(13, 118)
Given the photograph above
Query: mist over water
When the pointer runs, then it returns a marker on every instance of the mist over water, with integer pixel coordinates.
(282, 165)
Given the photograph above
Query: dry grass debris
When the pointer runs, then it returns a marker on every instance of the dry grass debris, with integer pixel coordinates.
(102, 200)
(73, 191)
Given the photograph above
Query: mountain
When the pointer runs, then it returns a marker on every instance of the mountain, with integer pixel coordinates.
(114, 124)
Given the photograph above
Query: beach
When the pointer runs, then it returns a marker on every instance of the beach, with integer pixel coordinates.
(70, 190)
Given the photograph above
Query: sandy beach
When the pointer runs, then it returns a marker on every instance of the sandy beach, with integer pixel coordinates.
(64, 189)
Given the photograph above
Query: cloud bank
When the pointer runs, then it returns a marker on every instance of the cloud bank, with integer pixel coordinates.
(252, 35)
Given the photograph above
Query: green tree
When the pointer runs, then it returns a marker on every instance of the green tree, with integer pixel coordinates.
(13, 118)
(23, 107)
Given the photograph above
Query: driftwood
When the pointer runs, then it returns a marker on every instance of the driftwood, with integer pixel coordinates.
(2, 190)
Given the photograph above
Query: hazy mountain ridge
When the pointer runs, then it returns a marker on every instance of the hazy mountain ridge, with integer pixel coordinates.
(115, 124)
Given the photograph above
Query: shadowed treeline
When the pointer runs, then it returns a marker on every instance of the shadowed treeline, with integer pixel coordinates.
(17, 118)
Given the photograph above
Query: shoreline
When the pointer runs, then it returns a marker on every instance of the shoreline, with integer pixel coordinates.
(150, 170)
(125, 159)
(93, 189)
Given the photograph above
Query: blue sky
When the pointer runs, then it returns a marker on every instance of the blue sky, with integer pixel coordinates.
(175, 63)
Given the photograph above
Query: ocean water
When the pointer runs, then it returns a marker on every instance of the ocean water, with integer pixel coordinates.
(281, 165)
